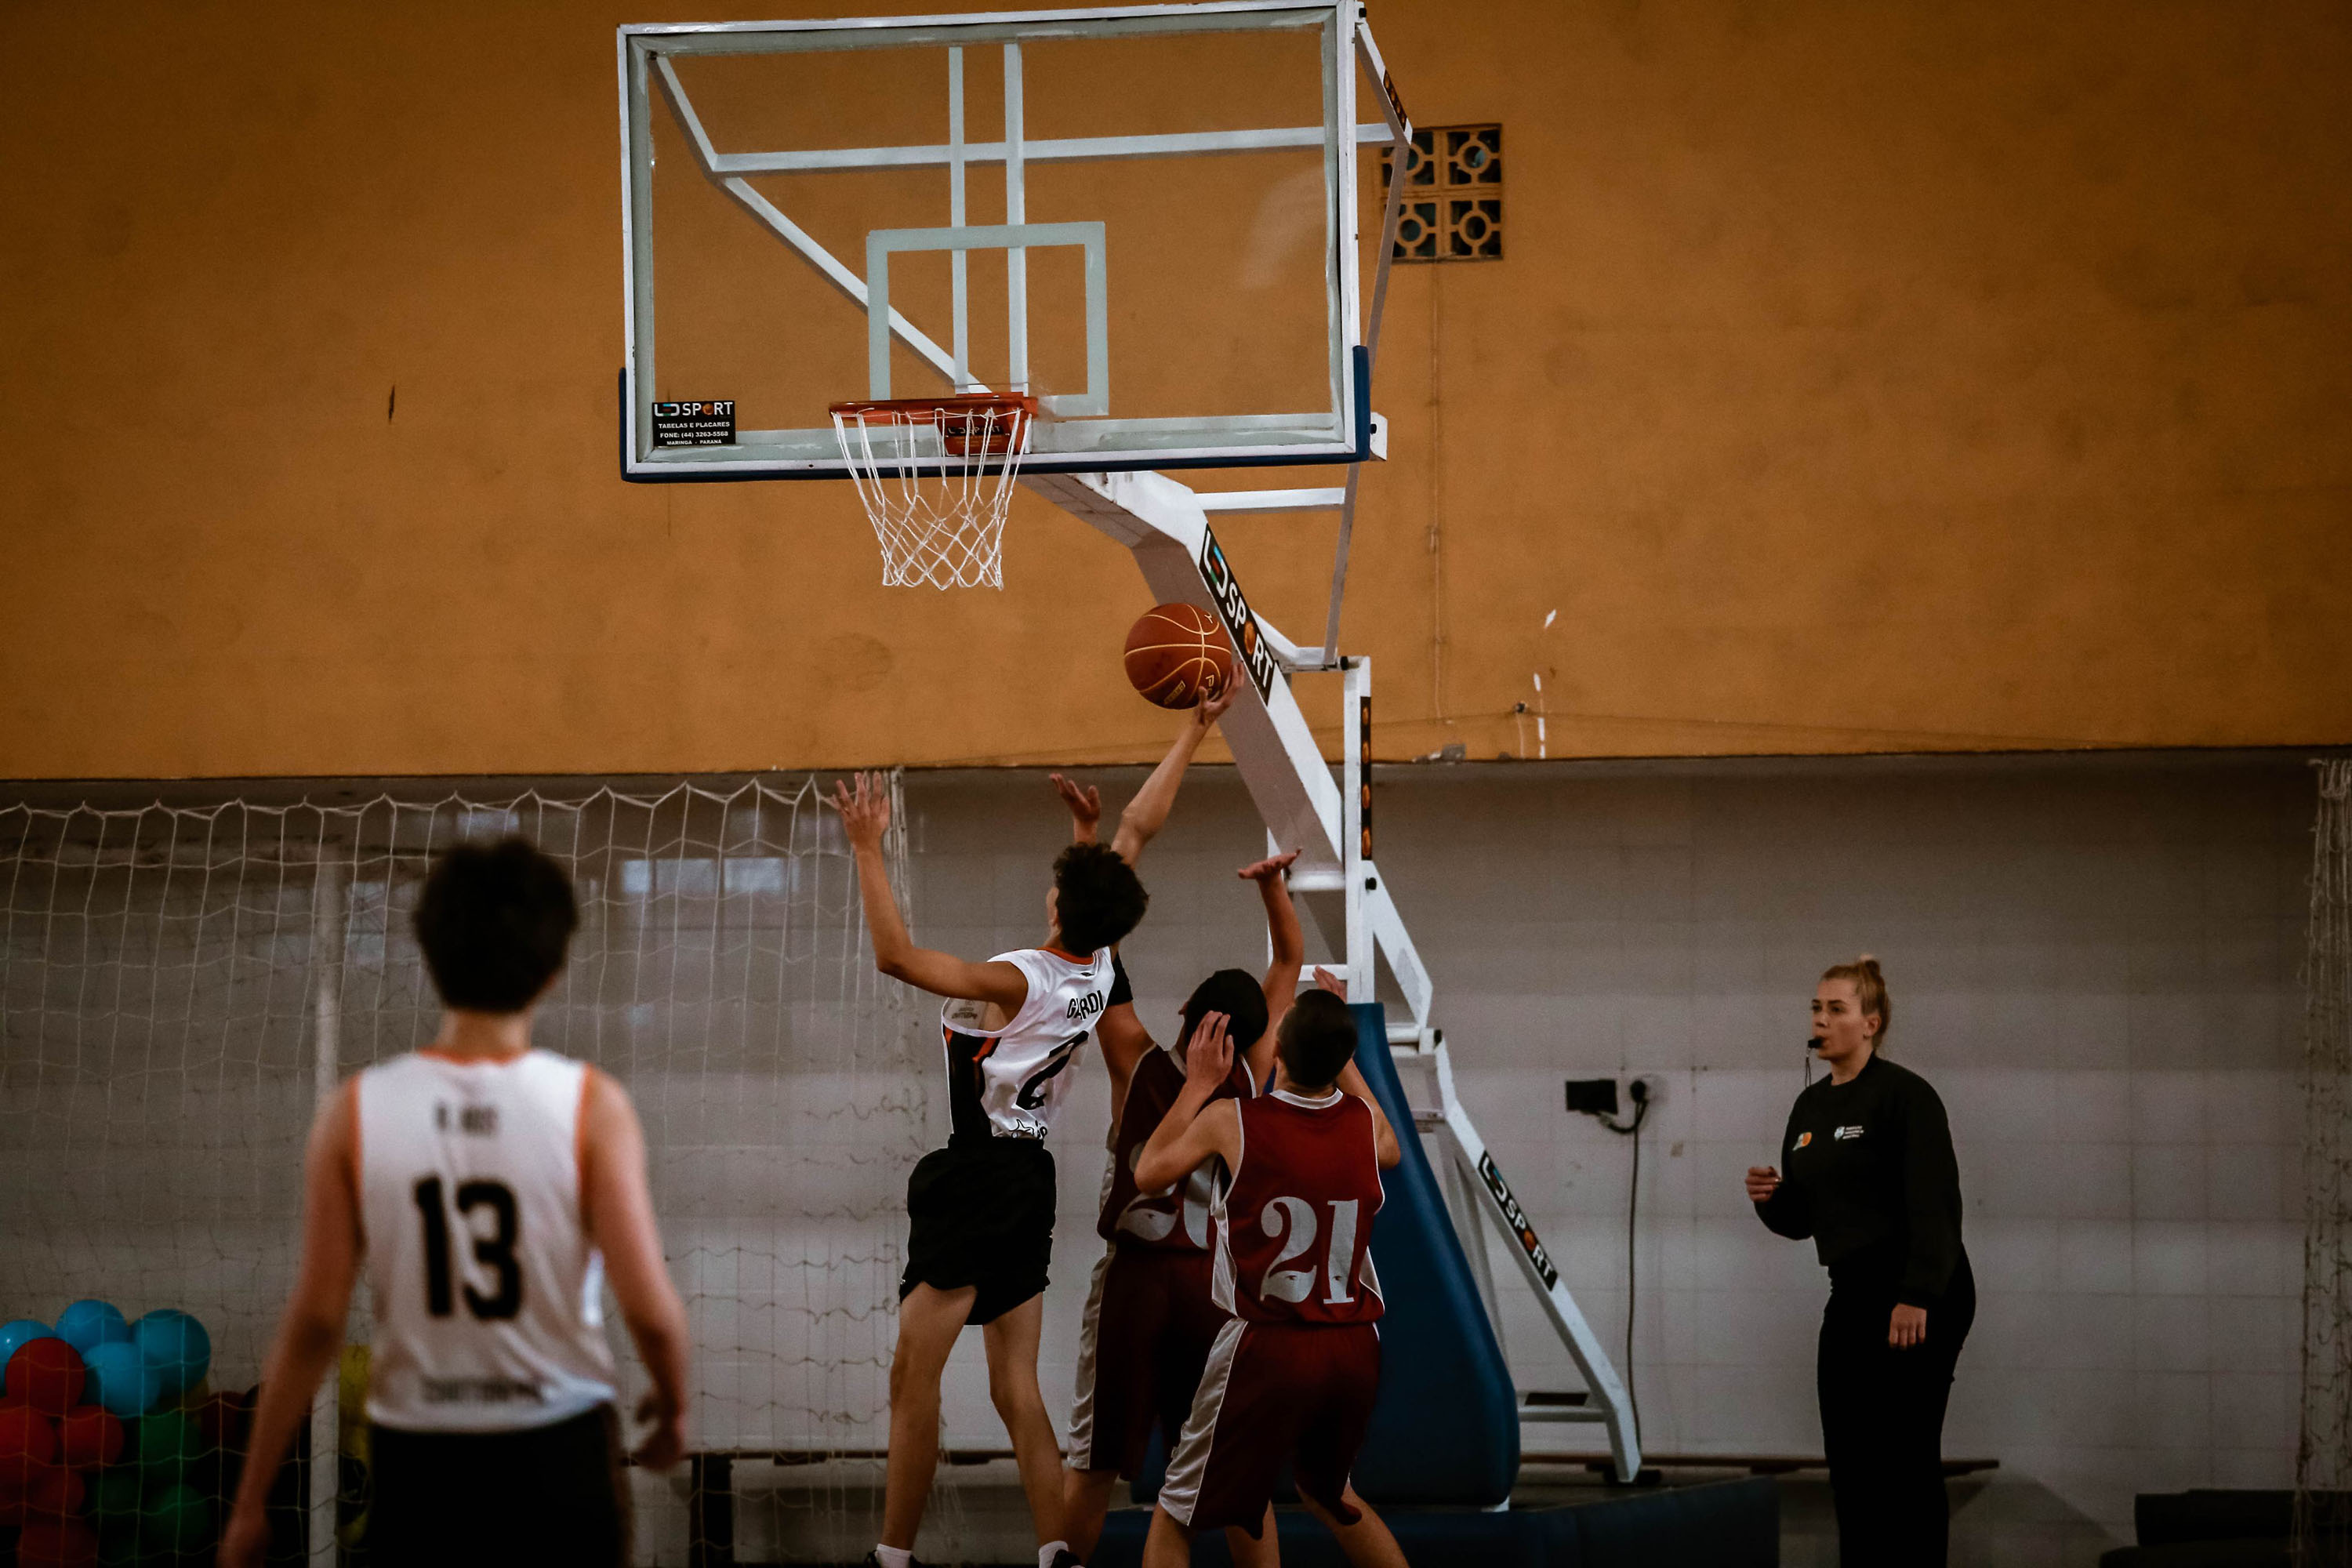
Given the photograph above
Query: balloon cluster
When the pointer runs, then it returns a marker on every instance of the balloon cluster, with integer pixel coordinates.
(112, 1450)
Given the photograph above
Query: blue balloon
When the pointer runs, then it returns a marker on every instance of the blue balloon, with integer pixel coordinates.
(17, 1332)
(121, 1379)
(176, 1346)
(86, 1325)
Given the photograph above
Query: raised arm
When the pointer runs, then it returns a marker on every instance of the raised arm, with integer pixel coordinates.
(619, 1213)
(1289, 945)
(1189, 1135)
(1147, 814)
(865, 815)
(311, 1336)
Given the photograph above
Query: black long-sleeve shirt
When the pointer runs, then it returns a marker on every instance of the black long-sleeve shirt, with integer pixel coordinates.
(1869, 1174)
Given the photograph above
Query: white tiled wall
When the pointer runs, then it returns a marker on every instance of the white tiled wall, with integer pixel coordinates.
(2093, 959)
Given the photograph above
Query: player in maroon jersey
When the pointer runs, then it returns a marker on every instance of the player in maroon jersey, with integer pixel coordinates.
(1293, 1375)
(1149, 1320)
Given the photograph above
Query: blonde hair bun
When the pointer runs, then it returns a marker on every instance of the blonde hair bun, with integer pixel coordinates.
(1869, 992)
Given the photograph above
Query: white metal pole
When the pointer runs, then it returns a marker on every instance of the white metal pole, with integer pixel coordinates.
(1356, 808)
(1016, 210)
(957, 262)
(329, 902)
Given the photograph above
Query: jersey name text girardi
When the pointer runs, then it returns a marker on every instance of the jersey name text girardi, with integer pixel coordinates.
(1011, 1082)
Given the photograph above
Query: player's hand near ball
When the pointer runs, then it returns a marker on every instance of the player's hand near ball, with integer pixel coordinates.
(1212, 707)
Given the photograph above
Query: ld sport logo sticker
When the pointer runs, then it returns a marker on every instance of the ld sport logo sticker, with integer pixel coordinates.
(1844, 1134)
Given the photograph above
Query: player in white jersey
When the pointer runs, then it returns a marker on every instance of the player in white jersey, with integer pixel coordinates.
(981, 1211)
(491, 1190)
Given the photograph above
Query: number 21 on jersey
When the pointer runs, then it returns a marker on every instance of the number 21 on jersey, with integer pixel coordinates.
(1294, 1223)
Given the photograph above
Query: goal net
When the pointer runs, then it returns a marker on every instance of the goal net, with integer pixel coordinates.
(180, 983)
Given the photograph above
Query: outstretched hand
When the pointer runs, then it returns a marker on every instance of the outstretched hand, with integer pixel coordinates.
(1212, 707)
(1335, 984)
(1210, 1054)
(1267, 870)
(1086, 808)
(865, 812)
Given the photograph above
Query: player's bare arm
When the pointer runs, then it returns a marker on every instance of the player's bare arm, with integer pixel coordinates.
(1190, 1135)
(619, 1217)
(1147, 814)
(1288, 943)
(310, 1337)
(864, 817)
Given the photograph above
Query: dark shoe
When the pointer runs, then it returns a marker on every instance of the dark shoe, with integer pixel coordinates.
(873, 1561)
(1066, 1558)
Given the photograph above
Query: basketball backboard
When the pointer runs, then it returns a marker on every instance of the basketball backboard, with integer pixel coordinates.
(1151, 218)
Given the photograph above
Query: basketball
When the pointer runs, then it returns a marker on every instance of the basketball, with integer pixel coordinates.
(1178, 655)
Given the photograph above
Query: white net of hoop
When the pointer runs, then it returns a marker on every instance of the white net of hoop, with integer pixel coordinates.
(936, 483)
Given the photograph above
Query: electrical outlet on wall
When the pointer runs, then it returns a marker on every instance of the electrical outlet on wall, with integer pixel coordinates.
(1593, 1097)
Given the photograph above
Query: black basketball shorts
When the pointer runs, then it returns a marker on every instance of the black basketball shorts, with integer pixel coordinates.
(545, 1494)
(980, 1213)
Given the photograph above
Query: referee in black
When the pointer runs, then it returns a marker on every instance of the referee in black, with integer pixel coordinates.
(1873, 1181)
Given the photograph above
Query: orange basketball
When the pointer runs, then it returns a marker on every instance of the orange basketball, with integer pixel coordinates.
(1177, 655)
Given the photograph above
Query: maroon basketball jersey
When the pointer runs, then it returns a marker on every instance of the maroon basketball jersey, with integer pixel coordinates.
(1175, 1217)
(1294, 1230)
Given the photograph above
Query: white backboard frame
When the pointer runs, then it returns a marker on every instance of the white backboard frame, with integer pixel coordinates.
(1083, 437)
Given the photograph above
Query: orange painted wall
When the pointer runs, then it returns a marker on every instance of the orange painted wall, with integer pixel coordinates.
(1862, 376)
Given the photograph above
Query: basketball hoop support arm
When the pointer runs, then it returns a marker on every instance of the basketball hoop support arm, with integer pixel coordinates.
(1165, 526)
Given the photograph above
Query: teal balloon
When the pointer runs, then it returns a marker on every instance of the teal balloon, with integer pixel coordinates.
(123, 1379)
(86, 1325)
(176, 1346)
(17, 1333)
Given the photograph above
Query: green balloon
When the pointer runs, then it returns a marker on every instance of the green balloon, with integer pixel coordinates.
(166, 1440)
(179, 1518)
(114, 1496)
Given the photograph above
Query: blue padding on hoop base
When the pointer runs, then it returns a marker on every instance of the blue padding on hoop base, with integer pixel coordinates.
(1446, 1429)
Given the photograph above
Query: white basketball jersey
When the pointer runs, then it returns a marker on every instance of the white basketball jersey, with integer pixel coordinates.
(1011, 1082)
(488, 1299)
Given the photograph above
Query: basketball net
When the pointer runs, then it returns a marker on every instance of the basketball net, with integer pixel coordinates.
(936, 476)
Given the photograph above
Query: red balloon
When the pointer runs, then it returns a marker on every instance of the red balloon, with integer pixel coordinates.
(27, 1442)
(54, 1544)
(89, 1437)
(47, 1375)
(56, 1493)
(30, 1477)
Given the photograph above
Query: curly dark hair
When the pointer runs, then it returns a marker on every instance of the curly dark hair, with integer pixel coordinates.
(1098, 896)
(495, 921)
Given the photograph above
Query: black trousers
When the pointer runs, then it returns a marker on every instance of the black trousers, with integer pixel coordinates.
(1882, 1418)
(552, 1494)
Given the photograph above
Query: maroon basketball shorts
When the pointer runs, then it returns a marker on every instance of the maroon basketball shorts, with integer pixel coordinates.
(1146, 1336)
(1274, 1392)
